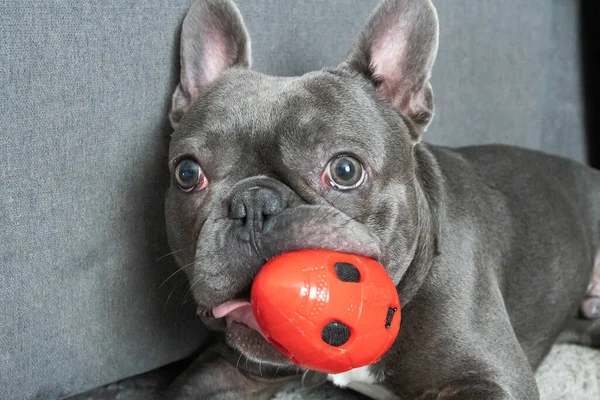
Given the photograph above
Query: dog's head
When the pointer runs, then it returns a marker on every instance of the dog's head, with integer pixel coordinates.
(265, 165)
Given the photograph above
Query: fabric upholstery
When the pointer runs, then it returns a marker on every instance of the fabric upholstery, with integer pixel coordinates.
(82, 165)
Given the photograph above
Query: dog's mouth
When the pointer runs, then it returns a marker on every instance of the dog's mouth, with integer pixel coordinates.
(224, 304)
(239, 311)
(242, 332)
(236, 319)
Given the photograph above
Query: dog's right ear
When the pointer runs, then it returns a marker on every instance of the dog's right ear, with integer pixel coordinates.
(396, 51)
(213, 39)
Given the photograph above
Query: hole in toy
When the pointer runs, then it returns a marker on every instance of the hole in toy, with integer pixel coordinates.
(335, 333)
(389, 317)
(347, 272)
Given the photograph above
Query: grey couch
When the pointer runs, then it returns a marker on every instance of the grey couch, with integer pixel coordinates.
(85, 293)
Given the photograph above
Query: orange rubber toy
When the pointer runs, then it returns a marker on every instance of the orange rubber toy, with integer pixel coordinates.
(326, 311)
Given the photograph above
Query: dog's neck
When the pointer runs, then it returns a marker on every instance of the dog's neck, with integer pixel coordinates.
(430, 192)
(264, 371)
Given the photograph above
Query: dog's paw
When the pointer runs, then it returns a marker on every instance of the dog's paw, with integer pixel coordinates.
(590, 307)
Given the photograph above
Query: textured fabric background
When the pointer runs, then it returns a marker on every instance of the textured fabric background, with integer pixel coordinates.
(85, 89)
(84, 94)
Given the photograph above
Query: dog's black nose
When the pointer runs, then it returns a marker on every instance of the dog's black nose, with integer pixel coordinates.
(253, 204)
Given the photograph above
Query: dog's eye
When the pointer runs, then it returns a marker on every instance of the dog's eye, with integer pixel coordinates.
(344, 172)
(189, 175)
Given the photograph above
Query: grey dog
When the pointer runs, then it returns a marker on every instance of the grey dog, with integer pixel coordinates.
(494, 249)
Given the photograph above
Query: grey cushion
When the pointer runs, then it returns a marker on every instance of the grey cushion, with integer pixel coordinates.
(86, 87)
(507, 71)
(85, 90)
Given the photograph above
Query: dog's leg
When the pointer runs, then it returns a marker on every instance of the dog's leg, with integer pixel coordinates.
(465, 390)
(458, 341)
(590, 307)
(213, 378)
(585, 332)
(461, 357)
(584, 328)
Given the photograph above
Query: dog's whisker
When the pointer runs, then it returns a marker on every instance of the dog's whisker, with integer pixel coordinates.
(170, 254)
(171, 293)
(175, 273)
(237, 364)
(190, 289)
(186, 300)
(187, 295)
(223, 352)
(276, 372)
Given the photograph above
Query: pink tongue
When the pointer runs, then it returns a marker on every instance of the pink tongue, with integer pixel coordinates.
(238, 311)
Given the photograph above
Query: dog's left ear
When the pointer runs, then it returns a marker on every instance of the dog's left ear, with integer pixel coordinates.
(396, 51)
(213, 40)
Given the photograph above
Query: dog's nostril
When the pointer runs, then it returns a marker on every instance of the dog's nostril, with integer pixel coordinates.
(237, 209)
(273, 206)
(256, 203)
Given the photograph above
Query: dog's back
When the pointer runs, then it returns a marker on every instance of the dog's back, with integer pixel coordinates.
(509, 167)
(529, 204)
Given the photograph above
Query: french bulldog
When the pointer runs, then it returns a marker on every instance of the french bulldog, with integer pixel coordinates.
(494, 250)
